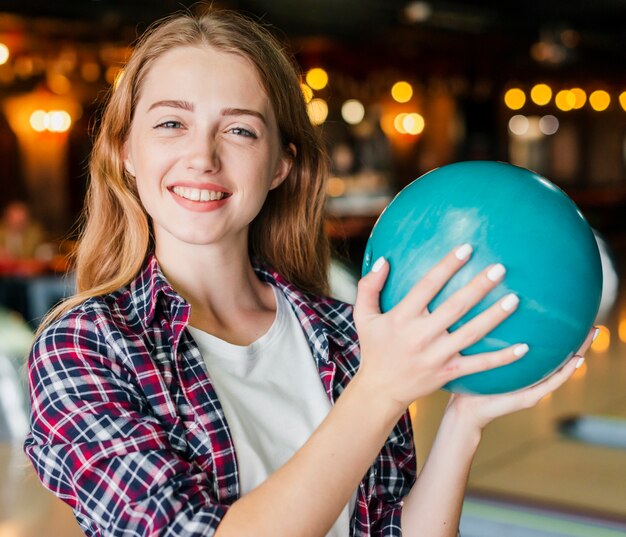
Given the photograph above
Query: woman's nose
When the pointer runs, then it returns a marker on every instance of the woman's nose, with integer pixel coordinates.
(204, 153)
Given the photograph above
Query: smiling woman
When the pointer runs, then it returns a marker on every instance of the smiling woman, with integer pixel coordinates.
(200, 382)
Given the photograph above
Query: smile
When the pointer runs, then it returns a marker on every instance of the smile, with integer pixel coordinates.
(198, 194)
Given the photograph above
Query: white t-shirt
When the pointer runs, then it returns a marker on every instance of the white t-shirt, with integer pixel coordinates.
(272, 396)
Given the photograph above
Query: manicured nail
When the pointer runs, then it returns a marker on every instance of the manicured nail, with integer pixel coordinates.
(520, 350)
(496, 272)
(580, 362)
(463, 252)
(509, 302)
(379, 264)
(596, 333)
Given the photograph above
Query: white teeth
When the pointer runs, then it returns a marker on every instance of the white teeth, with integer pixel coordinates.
(197, 194)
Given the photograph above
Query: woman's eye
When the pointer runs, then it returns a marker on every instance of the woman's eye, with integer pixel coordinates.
(240, 131)
(169, 125)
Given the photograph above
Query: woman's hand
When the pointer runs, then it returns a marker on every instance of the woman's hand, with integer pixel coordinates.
(408, 352)
(479, 410)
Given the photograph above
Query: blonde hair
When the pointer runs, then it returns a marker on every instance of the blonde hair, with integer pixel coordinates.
(287, 234)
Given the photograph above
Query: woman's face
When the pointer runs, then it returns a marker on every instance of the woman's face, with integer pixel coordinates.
(204, 147)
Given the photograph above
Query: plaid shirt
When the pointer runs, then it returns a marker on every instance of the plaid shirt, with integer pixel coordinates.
(127, 429)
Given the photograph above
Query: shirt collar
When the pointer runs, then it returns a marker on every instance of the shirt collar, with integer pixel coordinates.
(151, 283)
(146, 288)
(309, 308)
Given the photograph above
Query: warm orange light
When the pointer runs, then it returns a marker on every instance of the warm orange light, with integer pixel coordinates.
(622, 100)
(4, 53)
(59, 83)
(387, 124)
(402, 91)
(603, 341)
(599, 100)
(317, 78)
(565, 100)
(318, 111)
(413, 123)
(90, 71)
(541, 94)
(580, 97)
(621, 330)
(398, 123)
(514, 98)
(335, 187)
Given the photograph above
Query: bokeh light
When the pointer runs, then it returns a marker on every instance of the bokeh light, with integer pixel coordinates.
(402, 91)
(39, 120)
(599, 100)
(622, 100)
(398, 122)
(580, 97)
(565, 100)
(541, 94)
(60, 121)
(548, 125)
(514, 98)
(518, 125)
(53, 121)
(353, 112)
(335, 187)
(90, 71)
(4, 53)
(318, 111)
(413, 123)
(317, 78)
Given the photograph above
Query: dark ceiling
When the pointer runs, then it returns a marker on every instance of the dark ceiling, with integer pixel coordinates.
(364, 34)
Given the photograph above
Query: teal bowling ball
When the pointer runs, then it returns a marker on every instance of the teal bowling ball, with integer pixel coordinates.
(512, 216)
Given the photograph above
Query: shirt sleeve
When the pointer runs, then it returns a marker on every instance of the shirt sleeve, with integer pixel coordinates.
(395, 473)
(95, 445)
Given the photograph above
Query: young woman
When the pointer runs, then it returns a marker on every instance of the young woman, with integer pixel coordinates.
(201, 383)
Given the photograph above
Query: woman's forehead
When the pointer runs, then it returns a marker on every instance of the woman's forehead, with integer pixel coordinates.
(203, 74)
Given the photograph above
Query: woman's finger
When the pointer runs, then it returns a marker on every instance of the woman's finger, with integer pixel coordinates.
(460, 366)
(368, 292)
(423, 292)
(455, 307)
(478, 327)
(537, 392)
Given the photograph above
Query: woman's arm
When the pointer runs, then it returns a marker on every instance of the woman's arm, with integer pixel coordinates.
(433, 507)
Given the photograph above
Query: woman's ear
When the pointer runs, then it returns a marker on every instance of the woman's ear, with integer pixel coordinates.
(128, 162)
(284, 166)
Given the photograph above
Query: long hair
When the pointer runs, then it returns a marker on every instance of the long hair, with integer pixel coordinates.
(288, 233)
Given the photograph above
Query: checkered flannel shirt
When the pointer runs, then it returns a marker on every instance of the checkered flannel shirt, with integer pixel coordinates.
(127, 429)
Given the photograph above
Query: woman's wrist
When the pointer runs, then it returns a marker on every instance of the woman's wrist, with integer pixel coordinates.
(461, 419)
(386, 407)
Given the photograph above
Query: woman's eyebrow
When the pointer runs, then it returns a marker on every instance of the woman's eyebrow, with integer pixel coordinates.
(172, 103)
(243, 112)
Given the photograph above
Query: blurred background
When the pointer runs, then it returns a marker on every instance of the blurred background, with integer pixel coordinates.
(397, 88)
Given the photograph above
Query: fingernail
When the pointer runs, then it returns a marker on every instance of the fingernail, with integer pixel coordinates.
(595, 334)
(520, 350)
(580, 362)
(379, 264)
(463, 252)
(496, 272)
(509, 302)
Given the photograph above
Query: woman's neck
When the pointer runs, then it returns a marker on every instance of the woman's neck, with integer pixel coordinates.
(226, 297)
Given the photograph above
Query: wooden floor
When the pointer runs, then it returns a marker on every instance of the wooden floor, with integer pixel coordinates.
(522, 456)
